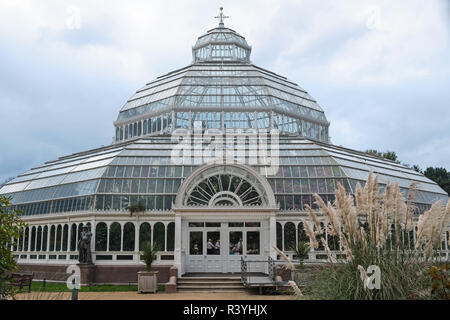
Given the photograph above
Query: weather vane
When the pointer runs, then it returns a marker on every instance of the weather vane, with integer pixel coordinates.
(221, 16)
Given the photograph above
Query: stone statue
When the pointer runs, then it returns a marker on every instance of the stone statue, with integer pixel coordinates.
(84, 246)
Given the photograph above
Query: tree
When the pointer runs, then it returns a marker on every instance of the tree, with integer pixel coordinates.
(439, 175)
(10, 227)
(389, 155)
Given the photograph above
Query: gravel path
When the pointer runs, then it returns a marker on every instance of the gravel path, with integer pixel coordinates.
(149, 296)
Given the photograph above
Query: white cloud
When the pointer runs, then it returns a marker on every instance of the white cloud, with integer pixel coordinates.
(379, 69)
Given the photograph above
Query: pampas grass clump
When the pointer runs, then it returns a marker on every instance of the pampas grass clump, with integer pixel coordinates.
(374, 230)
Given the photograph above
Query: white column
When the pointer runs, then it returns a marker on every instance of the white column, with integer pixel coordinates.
(93, 227)
(136, 239)
(42, 238)
(165, 235)
(69, 234)
(121, 236)
(107, 235)
(177, 252)
(48, 238)
(273, 236)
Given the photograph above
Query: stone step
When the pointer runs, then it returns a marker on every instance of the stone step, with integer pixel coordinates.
(209, 283)
(187, 279)
(211, 289)
(209, 279)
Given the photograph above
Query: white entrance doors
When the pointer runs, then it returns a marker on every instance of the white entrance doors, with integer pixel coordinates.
(217, 247)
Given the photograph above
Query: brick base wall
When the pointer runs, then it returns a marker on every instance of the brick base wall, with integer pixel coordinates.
(107, 274)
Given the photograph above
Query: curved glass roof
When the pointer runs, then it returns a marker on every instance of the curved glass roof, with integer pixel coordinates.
(111, 178)
(222, 86)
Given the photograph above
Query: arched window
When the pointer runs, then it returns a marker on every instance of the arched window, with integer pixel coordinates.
(73, 238)
(15, 244)
(33, 239)
(21, 246)
(135, 131)
(80, 227)
(333, 241)
(226, 189)
(279, 236)
(289, 236)
(115, 237)
(171, 236)
(128, 237)
(126, 132)
(58, 238)
(145, 127)
(26, 238)
(121, 133)
(65, 237)
(322, 226)
(44, 238)
(302, 237)
(52, 238)
(145, 234)
(101, 233)
(39, 238)
(159, 236)
(139, 130)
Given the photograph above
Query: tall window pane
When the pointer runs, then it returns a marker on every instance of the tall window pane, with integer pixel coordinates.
(101, 231)
(52, 238)
(128, 237)
(145, 234)
(58, 238)
(33, 239)
(73, 237)
(44, 238)
(159, 236)
(171, 236)
(279, 236)
(115, 237)
(289, 236)
(39, 238)
(65, 237)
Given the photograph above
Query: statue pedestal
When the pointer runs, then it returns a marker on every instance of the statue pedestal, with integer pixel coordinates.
(87, 276)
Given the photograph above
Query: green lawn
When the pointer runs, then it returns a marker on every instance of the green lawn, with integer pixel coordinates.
(62, 287)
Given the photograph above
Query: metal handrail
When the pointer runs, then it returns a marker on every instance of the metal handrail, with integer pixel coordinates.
(244, 271)
(271, 269)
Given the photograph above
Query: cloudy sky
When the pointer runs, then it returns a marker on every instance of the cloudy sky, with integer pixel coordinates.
(380, 69)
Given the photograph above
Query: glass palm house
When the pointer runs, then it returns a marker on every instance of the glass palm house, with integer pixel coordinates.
(242, 206)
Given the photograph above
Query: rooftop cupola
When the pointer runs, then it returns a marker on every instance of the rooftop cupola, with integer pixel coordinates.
(221, 44)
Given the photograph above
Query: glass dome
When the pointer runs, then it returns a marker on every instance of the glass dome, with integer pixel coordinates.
(222, 90)
(221, 44)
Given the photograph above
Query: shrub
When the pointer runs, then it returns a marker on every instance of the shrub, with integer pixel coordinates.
(374, 230)
(149, 253)
(10, 227)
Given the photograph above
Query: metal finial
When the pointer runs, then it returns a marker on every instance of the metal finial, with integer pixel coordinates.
(221, 16)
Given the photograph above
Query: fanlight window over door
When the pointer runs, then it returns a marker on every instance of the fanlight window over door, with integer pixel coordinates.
(224, 189)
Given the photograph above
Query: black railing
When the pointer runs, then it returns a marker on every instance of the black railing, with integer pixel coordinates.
(247, 274)
(244, 271)
(272, 269)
